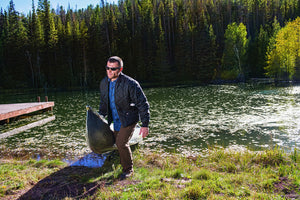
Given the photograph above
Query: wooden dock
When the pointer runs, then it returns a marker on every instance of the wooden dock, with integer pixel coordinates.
(8, 111)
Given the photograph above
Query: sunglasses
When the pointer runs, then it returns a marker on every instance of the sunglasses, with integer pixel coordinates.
(112, 68)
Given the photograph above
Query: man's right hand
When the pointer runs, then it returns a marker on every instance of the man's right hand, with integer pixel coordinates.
(144, 131)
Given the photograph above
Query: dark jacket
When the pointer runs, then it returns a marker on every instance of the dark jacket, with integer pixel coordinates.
(130, 100)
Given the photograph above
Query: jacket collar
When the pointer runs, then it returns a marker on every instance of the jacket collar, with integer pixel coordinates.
(118, 79)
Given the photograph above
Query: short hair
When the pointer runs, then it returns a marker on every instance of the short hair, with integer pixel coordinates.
(117, 59)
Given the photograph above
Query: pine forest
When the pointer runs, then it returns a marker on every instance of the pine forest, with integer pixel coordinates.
(162, 42)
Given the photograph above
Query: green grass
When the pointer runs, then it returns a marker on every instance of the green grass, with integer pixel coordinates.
(220, 175)
(16, 175)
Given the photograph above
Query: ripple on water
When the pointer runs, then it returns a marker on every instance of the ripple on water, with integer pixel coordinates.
(185, 120)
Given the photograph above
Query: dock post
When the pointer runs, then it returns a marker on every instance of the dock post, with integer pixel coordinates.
(46, 99)
(38, 99)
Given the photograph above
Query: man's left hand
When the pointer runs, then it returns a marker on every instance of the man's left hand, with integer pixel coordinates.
(144, 131)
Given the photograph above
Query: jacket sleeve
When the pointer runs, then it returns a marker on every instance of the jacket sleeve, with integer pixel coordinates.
(142, 104)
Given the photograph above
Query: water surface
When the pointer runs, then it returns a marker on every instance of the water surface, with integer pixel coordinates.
(188, 120)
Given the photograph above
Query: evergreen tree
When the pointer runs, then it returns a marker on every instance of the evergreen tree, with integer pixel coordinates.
(273, 70)
(83, 46)
(17, 41)
(162, 73)
(3, 39)
(36, 36)
(257, 49)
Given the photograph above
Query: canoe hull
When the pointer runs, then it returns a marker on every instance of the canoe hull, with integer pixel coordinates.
(99, 134)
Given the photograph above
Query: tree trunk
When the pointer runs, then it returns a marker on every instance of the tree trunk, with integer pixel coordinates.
(31, 67)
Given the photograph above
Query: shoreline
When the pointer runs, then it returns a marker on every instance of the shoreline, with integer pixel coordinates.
(222, 174)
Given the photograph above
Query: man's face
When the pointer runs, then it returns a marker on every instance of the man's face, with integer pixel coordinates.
(113, 70)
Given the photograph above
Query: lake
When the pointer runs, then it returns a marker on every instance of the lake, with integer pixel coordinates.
(187, 120)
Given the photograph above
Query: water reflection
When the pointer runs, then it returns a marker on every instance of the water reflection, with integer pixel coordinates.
(92, 160)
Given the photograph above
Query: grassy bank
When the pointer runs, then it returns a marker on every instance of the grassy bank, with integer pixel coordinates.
(271, 174)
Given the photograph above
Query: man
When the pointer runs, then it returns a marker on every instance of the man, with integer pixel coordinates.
(124, 102)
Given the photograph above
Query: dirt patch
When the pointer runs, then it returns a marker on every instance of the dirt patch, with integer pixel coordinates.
(120, 184)
(290, 190)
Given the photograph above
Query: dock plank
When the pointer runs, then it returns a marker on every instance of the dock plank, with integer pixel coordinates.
(26, 127)
(8, 111)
